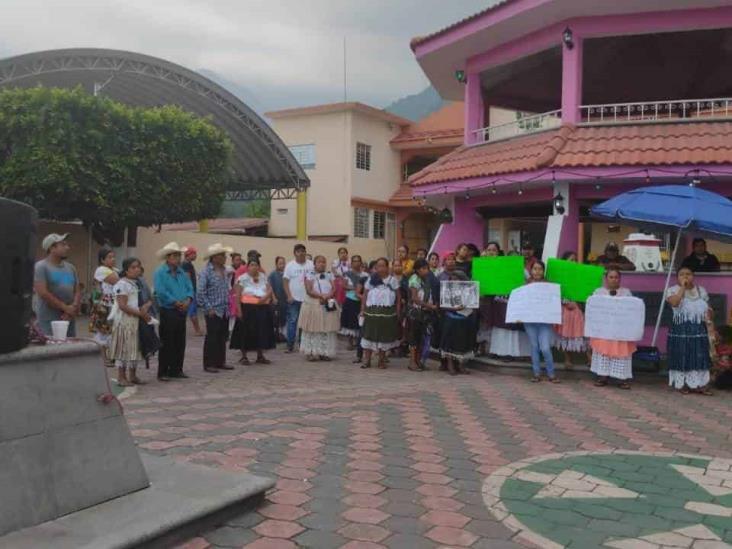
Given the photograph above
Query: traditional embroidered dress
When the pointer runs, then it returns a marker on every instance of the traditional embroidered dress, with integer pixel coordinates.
(319, 326)
(457, 330)
(612, 358)
(124, 341)
(506, 339)
(381, 326)
(688, 343)
(571, 332)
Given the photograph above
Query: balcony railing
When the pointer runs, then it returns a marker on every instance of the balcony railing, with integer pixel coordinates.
(656, 111)
(522, 126)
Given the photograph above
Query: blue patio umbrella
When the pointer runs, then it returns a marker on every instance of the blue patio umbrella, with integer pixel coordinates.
(684, 207)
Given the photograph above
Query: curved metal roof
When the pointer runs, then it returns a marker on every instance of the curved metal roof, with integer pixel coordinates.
(262, 164)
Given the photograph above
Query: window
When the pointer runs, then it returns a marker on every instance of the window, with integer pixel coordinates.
(305, 155)
(361, 222)
(379, 225)
(282, 211)
(363, 156)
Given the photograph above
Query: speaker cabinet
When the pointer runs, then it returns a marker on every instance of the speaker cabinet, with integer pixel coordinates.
(18, 240)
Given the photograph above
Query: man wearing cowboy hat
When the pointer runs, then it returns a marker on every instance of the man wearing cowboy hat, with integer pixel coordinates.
(57, 286)
(213, 299)
(174, 293)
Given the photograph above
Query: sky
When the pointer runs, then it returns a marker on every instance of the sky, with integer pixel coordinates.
(276, 53)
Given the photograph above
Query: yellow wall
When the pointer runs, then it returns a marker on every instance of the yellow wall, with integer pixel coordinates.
(329, 195)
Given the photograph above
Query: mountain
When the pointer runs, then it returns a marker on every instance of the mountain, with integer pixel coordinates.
(417, 106)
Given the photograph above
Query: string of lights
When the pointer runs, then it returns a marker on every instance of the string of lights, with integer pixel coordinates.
(694, 175)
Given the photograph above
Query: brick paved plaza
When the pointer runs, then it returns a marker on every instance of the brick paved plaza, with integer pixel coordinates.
(371, 458)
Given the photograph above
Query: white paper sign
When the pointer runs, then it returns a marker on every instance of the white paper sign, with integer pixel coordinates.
(615, 318)
(459, 293)
(536, 302)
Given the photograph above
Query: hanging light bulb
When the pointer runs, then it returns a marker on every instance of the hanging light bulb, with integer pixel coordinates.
(493, 188)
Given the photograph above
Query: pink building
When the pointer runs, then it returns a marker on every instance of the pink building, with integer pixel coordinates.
(608, 96)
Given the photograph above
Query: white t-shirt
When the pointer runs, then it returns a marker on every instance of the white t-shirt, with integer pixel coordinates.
(249, 287)
(128, 288)
(100, 274)
(295, 274)
(383, 295)
(323, 285)
(338, 268)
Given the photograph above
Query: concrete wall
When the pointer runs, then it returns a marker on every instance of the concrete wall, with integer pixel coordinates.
(382, 180)
(329, 196)
(149, 242)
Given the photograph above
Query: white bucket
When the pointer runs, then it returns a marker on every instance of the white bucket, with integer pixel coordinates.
(60, 328)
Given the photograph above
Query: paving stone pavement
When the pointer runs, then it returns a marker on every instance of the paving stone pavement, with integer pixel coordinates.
(392, 458)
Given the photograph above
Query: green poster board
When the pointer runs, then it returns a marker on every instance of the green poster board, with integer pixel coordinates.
(578, 281)
(498, 275)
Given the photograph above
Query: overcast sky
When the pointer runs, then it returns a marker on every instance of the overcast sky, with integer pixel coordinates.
(284, 52)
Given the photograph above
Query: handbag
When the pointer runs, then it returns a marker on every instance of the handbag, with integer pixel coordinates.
(148, 338)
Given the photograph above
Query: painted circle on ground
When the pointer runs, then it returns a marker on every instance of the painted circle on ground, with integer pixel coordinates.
(619, 499)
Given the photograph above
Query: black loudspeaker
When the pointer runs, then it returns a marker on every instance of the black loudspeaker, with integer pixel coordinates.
(18, 240)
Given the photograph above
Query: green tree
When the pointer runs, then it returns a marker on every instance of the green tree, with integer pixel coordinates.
(78, 157)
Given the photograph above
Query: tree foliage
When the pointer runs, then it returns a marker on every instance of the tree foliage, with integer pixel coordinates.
(74, 156)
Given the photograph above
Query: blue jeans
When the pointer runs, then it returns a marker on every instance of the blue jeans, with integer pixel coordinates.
(540, 337)
(293, 313)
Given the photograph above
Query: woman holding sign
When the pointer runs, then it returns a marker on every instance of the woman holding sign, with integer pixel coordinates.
(688, 343)
(612, 358)
(540, 335)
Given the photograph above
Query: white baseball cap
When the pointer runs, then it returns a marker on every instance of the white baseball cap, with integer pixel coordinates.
(52, 239)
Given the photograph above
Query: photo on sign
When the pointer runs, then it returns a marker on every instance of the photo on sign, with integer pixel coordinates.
(459, 293)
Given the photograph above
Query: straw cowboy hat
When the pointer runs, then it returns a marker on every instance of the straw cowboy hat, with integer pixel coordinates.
(169, 248)
(216, 249)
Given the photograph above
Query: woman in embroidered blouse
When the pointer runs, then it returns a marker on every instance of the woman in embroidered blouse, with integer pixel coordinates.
(688, 342)
(320, 314)
(254, 328)
(380, 308)
(612, 358)
(457, 326)
(105, 277)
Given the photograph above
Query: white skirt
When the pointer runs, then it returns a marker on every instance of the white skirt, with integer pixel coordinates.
(611, 366)
(509, 343)
(124, 341)
(318, 344)
(694, 379)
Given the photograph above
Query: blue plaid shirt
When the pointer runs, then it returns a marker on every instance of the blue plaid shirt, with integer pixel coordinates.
(213, 291)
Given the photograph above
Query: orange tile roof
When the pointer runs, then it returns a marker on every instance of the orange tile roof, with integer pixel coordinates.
(403, 197)
(587, 146)
(514, 155)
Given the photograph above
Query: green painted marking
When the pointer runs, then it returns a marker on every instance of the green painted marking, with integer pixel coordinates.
(588, 522)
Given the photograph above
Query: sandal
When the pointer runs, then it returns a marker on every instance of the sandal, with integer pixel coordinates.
(311, 358)
(601, 383)
(263, 360)
(325, 358)
(553, 380)
(414, 368)
(245, 361)
(704, 391)
(535, 379)
(625, 386)
(684, 391)
(382, 365)
(365, 365)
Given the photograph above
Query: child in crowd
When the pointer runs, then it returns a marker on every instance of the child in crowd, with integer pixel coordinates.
(612, 358)
(380, 308)
(124, 341)
(540, 334)
(571, 332)
(421, 253)
(434, 261)
(320, 315)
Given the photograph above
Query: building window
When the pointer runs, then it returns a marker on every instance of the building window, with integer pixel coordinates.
(363, 156)
(305, 155)
(361, 222)
(282, 211)
(379, 225)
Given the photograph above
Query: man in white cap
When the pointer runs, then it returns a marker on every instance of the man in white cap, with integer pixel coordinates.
(174, 293)
(56, 284)
(213, 301)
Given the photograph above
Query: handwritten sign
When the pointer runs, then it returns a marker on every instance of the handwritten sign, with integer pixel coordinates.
(537, 302)
(578, 281)
(459, 293)
(498, 275)
(615, 318)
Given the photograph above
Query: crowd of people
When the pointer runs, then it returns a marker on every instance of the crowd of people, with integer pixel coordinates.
(381, 309)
